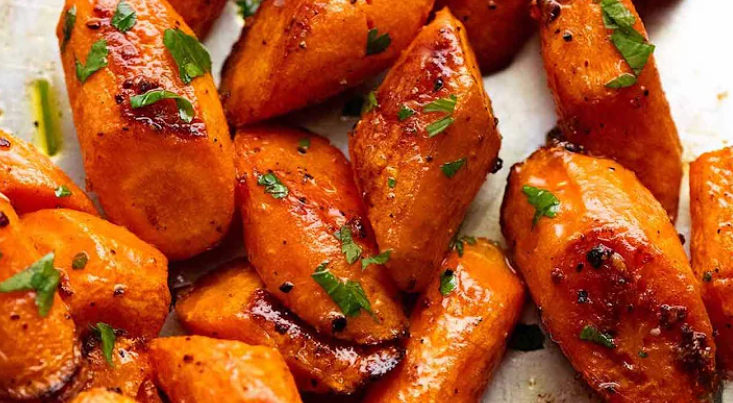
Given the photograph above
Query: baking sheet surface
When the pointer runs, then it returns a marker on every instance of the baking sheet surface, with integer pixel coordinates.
(695, 60)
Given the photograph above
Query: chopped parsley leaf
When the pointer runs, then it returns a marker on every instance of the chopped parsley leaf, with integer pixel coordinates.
(447, 105)
(62, 191)
(404, 113)
(247, 8)
(439, 126)
(379, 259)
(107, 335)
(96, 59)
(41, 277)
(185, 108)
(377, 43)
(351, 250)
(349, 296)
(451, 168)
(191, 56)
(370, 102)
(272, 185)
(447, 282)
(125, 17)
(590, 333)
(69, 21)
(80, 260)
(544, 203)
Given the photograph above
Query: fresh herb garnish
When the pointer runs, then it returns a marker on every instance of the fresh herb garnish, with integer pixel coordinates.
(544, 203)
(272, 185)
(191, 56)
(458, 243)
(304, 144)
(69, 21)
(185, 108)
(622, 81)
(404, 113)
(125, 17)
(379, 259)
(107, 335)
(370, 102)
(439, 126)
(377, 43)
(450, 168)
(391, 182)
(643, 354)
(349, 296)
(632, 45)
(62, 191)
(40, 277)
(590, 333)
(447, 282)
(349, 248)
(80, 260)
(447, 105)
(247, 8)
(527, 338)
(96, 59)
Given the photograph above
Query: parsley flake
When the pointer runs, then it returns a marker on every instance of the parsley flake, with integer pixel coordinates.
(69, 21)
(458, 243)
(622, 81)
(304, 144)
(80, 260)
(96, 59)
(247, 8)
(447, 105)
(191, 56)
(544, 203)
(370, 102)
(349, 248)
(125, 17)
(451, 168)
(404, 113)
(379, 259)
(40, 277)
(439, 126)
(447, 282)
(391, 182)
(106, 334)
(377, 43)
(590, 333)
(632, 45)
(272, 185)
(62, 191)
(185, 108)
(349, 296)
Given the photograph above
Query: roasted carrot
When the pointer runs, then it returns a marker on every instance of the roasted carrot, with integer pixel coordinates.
(32, 182)
(232, 303)
(423, 151)
(305, 225)
(608, 272)
(458, 331)
(152, 132)
(632, 125)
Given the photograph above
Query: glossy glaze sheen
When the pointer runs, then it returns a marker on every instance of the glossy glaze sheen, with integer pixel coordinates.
(169, 182)
(199, 14)
(497, 28)
(632, 125)
(457, 341)
(711, 206)
(195, 369)
(642, 293)
(101, 395)
(232, 303)
(418, 217)
(299, 52)
(123, 284)
(286, 239)
(39, 355)
(29, 179)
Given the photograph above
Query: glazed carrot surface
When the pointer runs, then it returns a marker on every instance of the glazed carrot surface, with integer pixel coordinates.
(183, 201)
(632, 125)
(32, 182)
(302, 214)
(458, 331)
(422, 152)
(608, 272)
(39, 353)
(232, 303)
(711, 194)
